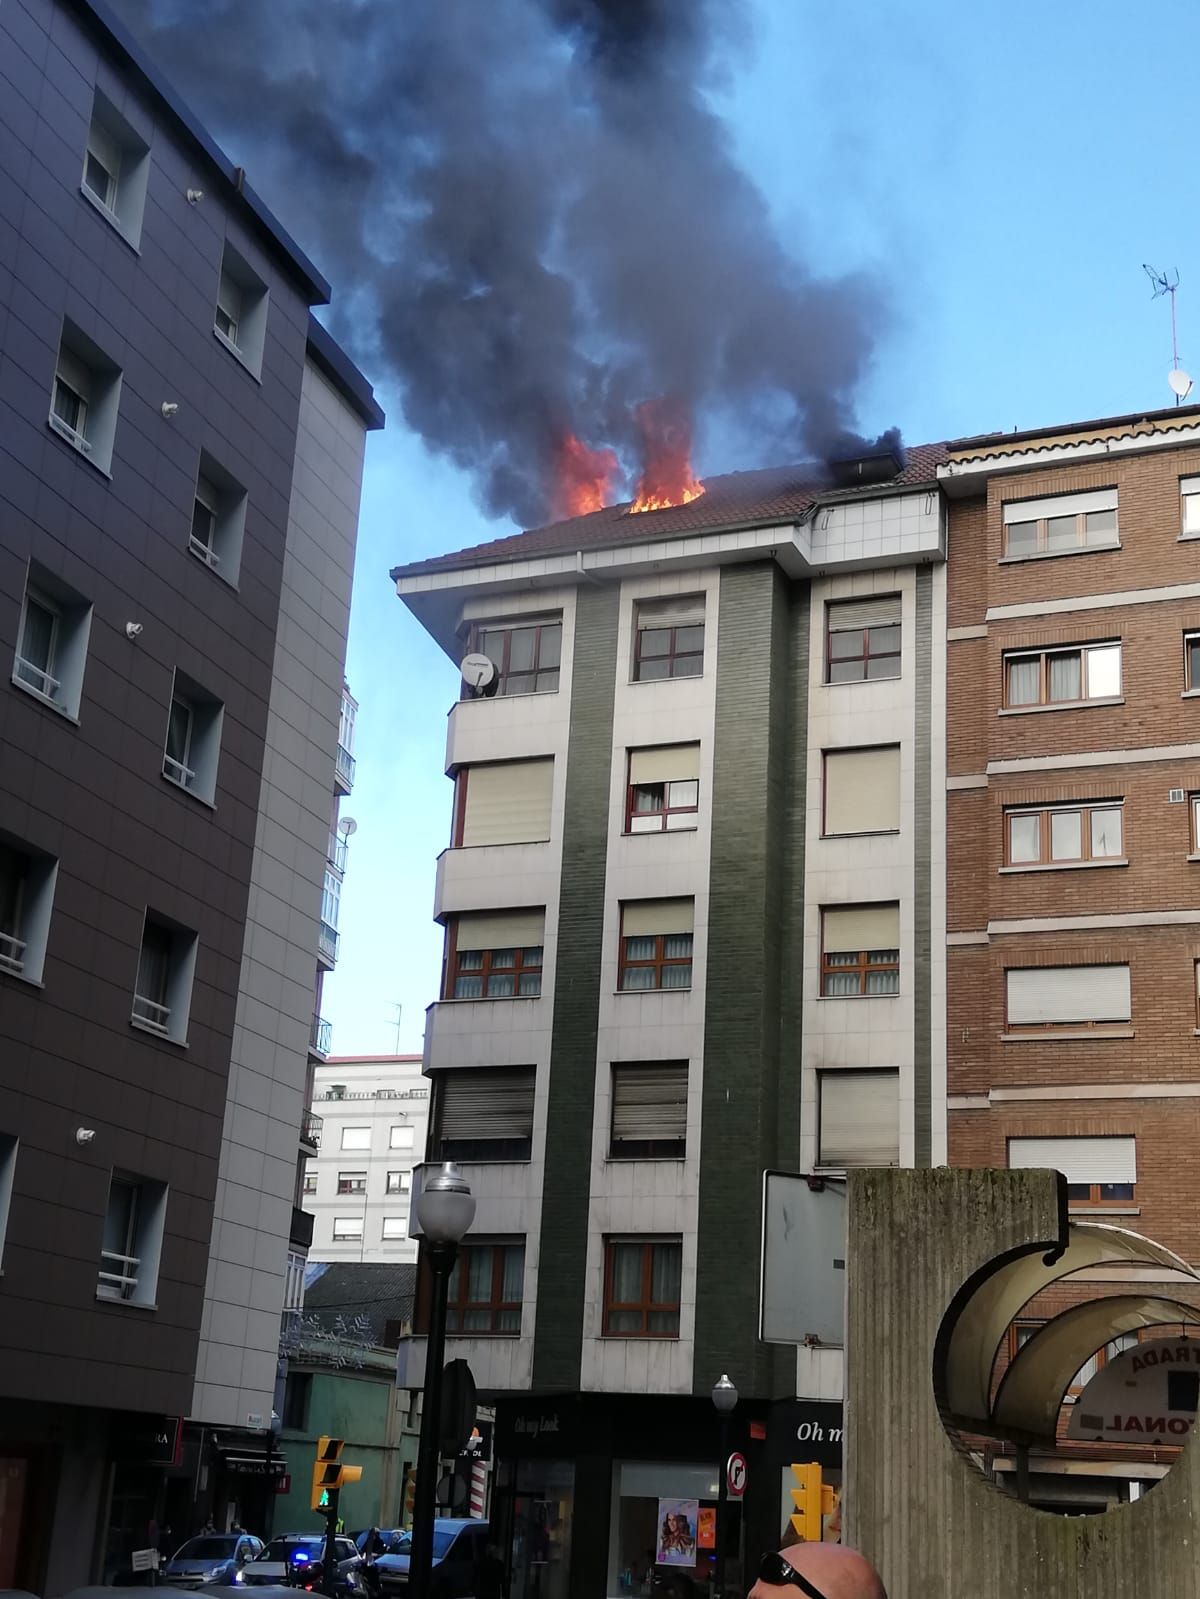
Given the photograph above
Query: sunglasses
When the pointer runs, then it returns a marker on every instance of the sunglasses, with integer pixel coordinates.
(782, 1574)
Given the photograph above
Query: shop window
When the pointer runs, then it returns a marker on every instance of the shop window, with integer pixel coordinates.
(642, 1280)
(669, 639)
(664, 1530)
(862, 639)
(656, 944)
(527, 655)
(860, 953)
(1062, 676)
(483, 1113)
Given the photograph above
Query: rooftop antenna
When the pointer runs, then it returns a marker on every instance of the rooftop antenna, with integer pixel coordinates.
(1167, 283)
(399, 1009)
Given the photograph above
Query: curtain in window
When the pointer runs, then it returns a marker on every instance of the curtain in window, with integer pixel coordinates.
(1023, 681)
(665, 1273)
(884, 982)
(513, 1284)
(154, 964)
(627, 1274)
(1065, 677)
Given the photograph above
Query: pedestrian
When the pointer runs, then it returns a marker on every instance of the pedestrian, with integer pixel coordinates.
(819, 1570)
(209, 1524)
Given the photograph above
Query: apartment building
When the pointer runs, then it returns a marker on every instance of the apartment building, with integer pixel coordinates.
(1073, 828)
(179, 450)
(374, 1113)
(694, 920)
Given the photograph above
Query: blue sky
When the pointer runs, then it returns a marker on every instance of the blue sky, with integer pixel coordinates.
(1006, 169)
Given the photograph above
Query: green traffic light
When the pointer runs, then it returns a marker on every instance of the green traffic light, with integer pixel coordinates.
(324, 1505)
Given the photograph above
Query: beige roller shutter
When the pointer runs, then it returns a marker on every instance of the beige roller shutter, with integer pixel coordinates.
(1081, 1160)
(857, 927)
(647, 918)
(649, 1102)
(862, 790)
(501, 930)
(1059, 505)
(508, 802)
(845, 615)
(669, 763)
(860, 1118)
(685, 610)
(1068, 994)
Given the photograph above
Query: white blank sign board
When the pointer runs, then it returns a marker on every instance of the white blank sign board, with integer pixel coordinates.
(803, 1263)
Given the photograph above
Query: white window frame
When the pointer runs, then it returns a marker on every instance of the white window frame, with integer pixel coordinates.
(178, 770)
(196, 773)
(408, 1146)
(844, 1078)
(125, 158)
(399, 1226)
(23, 947)
(85, 372)
(60, 684)
(347, 1230)
(355, 1145)
(130, 1275)
(166, 1016)
(49, 685)
(402, 1184)
(242, 299)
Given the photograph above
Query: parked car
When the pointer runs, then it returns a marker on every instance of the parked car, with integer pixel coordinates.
(210, 1557)
(394, 1540)
(459, 1552)
(289, 1558)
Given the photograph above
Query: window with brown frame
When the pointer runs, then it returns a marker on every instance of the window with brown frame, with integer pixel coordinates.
(352, 1182)
(1194, 811)
(1082, 1194)
(1062, 676)
(1191, 660)
(1041, 998)
(495, 955)
(1060, 526)
(663, 793)
(1067, 834)
(482, 1113)
(487, 1286)
(862, 639)
(642, 1281)
(1020, 1332)
(526, 654)
(669, 639)
(860, 953)
(656, 944)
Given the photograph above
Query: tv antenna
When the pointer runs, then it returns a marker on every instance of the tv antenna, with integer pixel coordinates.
(1167, 283)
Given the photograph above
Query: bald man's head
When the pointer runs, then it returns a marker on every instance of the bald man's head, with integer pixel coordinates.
(836, 1572)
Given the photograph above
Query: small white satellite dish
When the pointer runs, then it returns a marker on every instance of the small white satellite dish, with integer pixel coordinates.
(1181, 384)
(479, 673)
(347, 827)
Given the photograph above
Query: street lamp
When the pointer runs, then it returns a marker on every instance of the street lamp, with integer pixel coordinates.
(445, 1210)
(724, 1397)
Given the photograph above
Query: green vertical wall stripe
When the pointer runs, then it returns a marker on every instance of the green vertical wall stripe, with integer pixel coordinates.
(558, 1334)
(922, 801)
(755, 705)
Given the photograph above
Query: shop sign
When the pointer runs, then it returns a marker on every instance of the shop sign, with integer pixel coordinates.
(256, 1466)
(479, 1445)
(533, 1428)
(283, 1485)
(805, 1429)
(154, 1440)
(1148, 1393)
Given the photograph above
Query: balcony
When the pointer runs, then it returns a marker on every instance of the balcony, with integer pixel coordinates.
(300, 1233)
(320, 1038)
(335, 854)
(343, 768)
(328, 939)
(310, 1131)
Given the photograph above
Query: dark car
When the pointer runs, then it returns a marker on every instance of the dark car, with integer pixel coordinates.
(460, 1555)
(290, 1558)
(210, 1557)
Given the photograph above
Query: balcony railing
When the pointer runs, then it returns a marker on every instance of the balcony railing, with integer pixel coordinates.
(328, 940)
(320, 1038)
(310, 1130)
(151, 1014)
(120, 1280)
(12, 953)
(375, 1093)
(336, 852)
(344, 765)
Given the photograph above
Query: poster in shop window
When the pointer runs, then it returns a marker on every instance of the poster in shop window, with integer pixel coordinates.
(677, 1520)
(706, 1528)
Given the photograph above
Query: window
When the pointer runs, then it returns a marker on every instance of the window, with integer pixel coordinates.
(860, 950)
(218, 520)
(496, 955)
(503, 802)
(656, 944)
(297, 1396)
(1060, 525)
(649, 1111)
(116, 166)
(862, 791)
(1071, 834)
(402, 1138)
(27, 880)
(862, 639)
(240, 316)
(487, 1286)
(483, 1113)
(858, 1118)
(664, 789)
(395, 1227)
(352, 1182)
(356, 1138)
(347, 1229)
(1196, 972)
(669, 639)
(162, 991)
(192, 750)
(1099, 1171)
(310, 1182)
(1189, 493)
(642, 1279)
(398, 1182)
(526, 655)
(1062, 677)
(85, 397)
(131, 1246)
(52, 641)
(8, 1170)
(1067, 996)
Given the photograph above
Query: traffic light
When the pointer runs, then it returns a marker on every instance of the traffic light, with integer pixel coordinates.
(812, 1499)
(328, 1472)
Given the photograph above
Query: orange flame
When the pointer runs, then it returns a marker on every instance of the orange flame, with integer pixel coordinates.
(583, 478)
(667, 477)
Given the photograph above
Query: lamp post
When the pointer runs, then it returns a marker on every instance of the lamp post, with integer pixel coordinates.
(724, 1397)
(445, 1210)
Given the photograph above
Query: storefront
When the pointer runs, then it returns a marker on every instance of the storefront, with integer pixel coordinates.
(800, 1432)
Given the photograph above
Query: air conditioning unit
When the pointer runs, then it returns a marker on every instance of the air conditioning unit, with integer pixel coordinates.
(1175, 796)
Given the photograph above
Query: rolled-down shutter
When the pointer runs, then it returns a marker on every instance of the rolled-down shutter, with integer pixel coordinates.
(1059, 505)
(508, 802)
(648, 918)
(496, 1102)
(1081, 1160)
(1066, 994)
(668, 763)
(860, 1119)
(862, 790)
(882, 611)
(685, 610)
(850, 928)
(501, 930)
(649, 1102)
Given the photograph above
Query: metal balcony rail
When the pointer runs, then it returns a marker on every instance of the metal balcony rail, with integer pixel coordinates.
(376, 1093)
(33, 676)
(336, 852)
(122, 1283)
(205, 551)
(310, 1130)
(344, 765)
(320, 1037)
(328, 940)
(12, 953)
(151, 1014)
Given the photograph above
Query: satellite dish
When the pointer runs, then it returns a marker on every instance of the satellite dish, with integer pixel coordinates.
(347, 827)
(1181, 384)
(479, 673)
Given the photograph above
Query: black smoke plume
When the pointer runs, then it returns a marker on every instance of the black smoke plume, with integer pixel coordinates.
(531, 215)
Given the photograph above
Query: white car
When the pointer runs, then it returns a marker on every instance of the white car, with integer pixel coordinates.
(288, 1558)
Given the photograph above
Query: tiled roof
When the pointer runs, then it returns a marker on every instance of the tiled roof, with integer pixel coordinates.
(382, 1292)
(734, 499)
